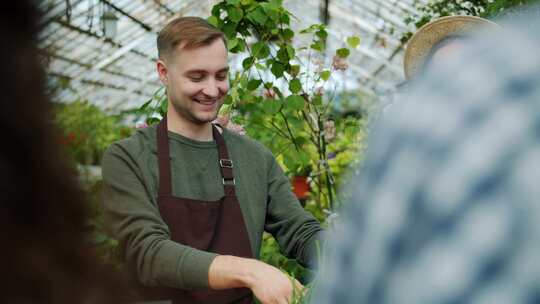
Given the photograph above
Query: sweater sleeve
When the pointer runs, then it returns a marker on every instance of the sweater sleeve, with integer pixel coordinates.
(295, 229)
(144, 238)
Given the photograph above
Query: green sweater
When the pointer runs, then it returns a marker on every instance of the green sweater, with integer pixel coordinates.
(130, 176)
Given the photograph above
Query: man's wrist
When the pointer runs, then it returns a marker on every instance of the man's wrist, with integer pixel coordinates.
(228, 271)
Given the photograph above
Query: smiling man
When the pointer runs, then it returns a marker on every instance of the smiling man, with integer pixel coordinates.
(189, 201)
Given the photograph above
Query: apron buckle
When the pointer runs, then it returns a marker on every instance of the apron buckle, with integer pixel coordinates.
(229, 182)
(226, 163)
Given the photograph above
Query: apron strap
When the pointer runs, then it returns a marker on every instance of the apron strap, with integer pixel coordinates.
(164, 161)
(225, 163)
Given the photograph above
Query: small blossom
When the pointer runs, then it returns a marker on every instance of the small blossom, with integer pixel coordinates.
(225, 121)
(141, 126)
(339, 64)
(269, 93)
(319, 65)
(222, 120)
(236, 128)
(329, 130)
(331, 155)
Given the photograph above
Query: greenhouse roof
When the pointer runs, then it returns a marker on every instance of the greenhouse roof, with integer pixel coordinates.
(118, 71)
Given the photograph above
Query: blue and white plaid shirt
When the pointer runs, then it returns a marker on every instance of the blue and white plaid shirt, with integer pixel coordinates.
(447, 205)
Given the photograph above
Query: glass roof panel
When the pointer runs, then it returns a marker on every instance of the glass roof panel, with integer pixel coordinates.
(120, 71)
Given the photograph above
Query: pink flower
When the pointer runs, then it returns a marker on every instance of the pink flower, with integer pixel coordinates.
(329, 130)
(141, 126)
(225, 121)
(236, 128)
(269, 93)
(222, 120)
(339, 63)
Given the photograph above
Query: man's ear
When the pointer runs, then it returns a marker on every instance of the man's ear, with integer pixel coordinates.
(162, 71)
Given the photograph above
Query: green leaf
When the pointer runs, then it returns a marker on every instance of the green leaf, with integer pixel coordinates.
(163, 107)
(260, 50)
(304, 157)
(246, 2)
(321, 34)
(264, 52)
(258, 16)
(216, 10)
(291, 163)
(290, 51)
(230, 30)
(146, 104)
(227, 100)
(317, 100)
(294, 70)
(276, 3)
(296, 123)
(277, 69)
(242, 79)
(248, 62)
(234, 94)
(309, 29)
(325, 75)
(287, 34)
(241, 45)
(295, 102)
(232, 43)
(235, 14)
(318, 45)
(253, 84)
(343, 52)
(285, 19)
(295, 86)
(353, 41)
(271, 106)
(152, 120)
(233, 2)
(301, 140)
(213, 20)
(225, 109)
(247, 97)
(282, 55)
(268, 85)
(270, 10)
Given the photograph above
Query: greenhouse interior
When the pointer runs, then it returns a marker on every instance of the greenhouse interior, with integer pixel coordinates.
(272, 151)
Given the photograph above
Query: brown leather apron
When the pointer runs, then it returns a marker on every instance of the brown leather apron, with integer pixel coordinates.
(214, 226)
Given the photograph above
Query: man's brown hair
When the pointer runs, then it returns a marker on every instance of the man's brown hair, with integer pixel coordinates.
(190, 32)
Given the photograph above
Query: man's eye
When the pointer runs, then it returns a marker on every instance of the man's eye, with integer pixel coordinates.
(221, 77)
(196, 78)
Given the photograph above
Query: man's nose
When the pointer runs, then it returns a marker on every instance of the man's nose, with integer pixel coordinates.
(211, 89)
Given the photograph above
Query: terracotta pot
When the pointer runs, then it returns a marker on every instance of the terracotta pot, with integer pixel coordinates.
(300, 187)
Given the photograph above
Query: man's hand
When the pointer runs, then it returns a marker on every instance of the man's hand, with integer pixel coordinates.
(268, 284)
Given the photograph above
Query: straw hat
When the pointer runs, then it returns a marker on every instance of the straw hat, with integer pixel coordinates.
(420, 44)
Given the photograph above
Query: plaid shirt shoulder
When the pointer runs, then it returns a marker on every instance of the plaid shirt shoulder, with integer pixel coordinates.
(447, 205)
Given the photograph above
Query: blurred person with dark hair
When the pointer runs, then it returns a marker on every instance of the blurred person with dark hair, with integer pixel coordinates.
(44, 258)
(447, 205)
